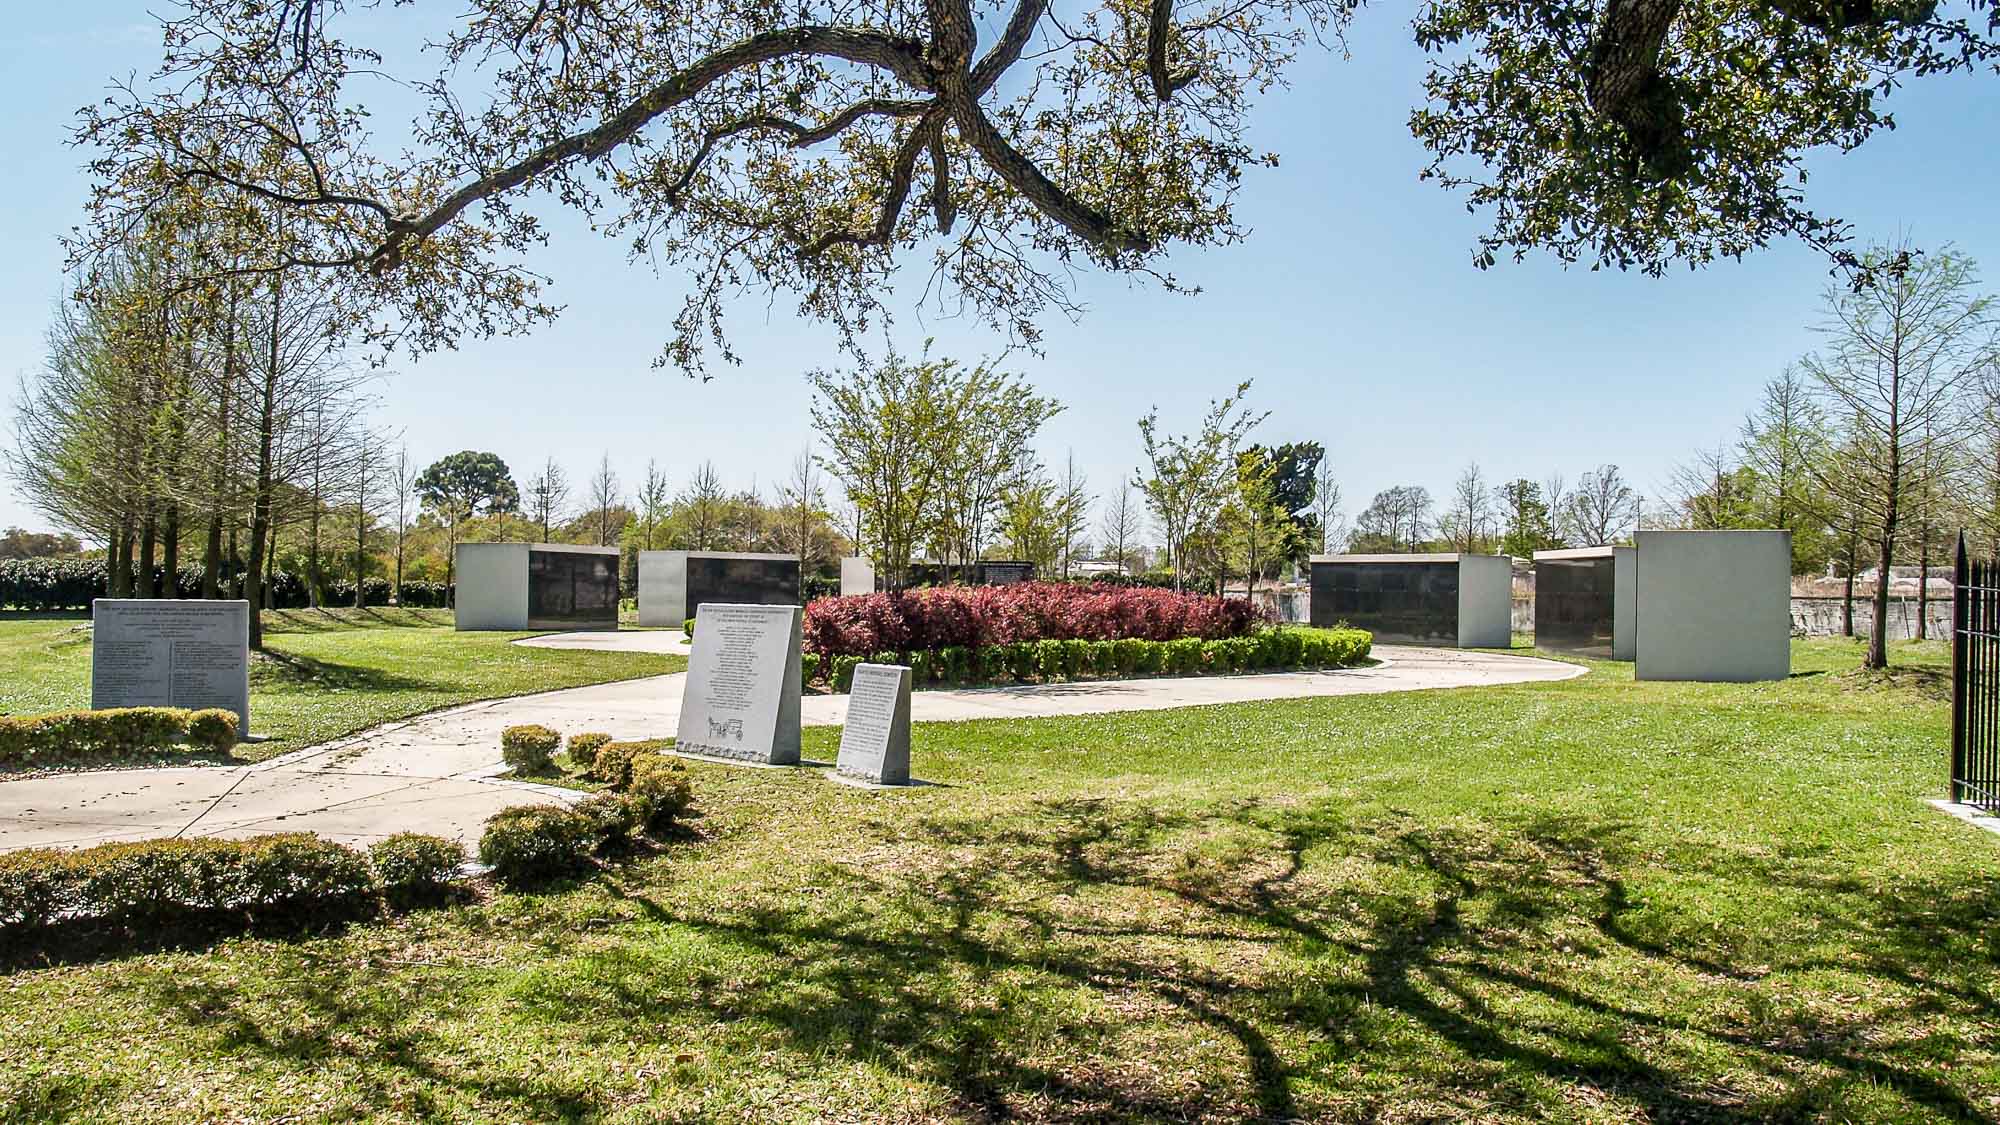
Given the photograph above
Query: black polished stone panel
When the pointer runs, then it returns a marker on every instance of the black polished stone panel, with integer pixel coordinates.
(1573, 604)
(572, 590)
(741, 582)
(1396, 601)
(997, 573)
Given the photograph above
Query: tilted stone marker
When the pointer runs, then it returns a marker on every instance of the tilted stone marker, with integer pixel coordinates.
(875, 743)
(741, 696)
(170, 652)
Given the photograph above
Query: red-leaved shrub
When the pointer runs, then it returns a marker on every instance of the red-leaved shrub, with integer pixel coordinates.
(973, 616)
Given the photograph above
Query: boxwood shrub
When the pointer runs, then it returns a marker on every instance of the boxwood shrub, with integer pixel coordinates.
(65, 737)
(528, 845)
(149, 884)
(529, 748)
(659, 791)
(411, 867)
(613, 819)
(613, 764)
(583, 747)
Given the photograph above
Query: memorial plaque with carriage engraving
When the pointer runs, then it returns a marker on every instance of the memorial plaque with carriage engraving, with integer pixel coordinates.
(741, 696)
(168, 652)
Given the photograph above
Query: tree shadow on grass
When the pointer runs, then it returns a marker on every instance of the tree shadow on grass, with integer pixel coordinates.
(289, 669)
(1931, 682)
(1261, 960)
(343, 619)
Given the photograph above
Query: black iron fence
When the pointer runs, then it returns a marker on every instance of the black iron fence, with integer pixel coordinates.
(1975, 682)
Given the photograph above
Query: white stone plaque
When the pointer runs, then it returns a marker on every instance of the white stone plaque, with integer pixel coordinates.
(741, 696)
(169, 652)
(875, 743)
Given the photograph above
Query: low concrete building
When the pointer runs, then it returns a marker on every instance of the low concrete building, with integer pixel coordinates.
(1447, 599)
(535, 586)
(1713, 605)
(857, 576)
(1585, 600)
(672, 584)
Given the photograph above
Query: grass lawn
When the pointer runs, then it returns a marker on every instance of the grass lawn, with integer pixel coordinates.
(327, 673)
(1593, 900)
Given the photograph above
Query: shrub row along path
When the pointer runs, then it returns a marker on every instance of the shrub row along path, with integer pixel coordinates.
(438, 773)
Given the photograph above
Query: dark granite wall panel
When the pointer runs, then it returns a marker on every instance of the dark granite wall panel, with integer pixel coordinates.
(1005, 573)
(1573, 604)
(741, 582)
(1414, 601)
(571, 589)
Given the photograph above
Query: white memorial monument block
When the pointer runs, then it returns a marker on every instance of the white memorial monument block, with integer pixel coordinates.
(741, 696)
(875, 743)
(857, 576)
(169, 652)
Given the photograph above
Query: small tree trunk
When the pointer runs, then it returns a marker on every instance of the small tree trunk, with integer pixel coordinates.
(312, 558)
(254, 586)
(1878, 630)
(360, 554)
(171, 553)
(148, 543)
(1847, 599)
(1924, 586)
(218, 489)
(118, 562)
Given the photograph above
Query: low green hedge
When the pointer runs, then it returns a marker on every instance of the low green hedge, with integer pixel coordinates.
(411, 867)
(583, 747)
(66, 737)
(613, 763)
(148, 884)
(529, 748)
(532, 845)
(1053, 660)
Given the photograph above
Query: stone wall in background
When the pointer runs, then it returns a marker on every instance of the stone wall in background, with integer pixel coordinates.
(1820, 617)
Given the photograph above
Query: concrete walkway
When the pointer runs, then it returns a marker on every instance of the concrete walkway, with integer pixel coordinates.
(665, 641)
(436, 773)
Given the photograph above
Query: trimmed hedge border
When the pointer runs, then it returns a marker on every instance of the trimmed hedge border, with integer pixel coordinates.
(145, 886)
(532, 845)
(1052, 661)
(60, 738)
(49, 585)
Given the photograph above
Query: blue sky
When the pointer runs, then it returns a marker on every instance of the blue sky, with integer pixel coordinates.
(1352, 305)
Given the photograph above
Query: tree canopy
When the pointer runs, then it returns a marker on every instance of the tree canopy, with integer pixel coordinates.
(806, 149)
(467, 484)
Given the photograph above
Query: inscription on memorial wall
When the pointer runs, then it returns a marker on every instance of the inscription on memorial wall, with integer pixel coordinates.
(159, 652)
(875, 742)
(741, 696)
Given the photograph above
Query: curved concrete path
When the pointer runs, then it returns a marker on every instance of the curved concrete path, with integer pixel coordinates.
(437, 773)
(665, 641)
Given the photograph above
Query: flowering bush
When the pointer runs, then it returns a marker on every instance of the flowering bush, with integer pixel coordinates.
(973, 617)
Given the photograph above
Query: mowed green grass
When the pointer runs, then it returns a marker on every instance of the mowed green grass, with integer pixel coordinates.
(327, 673)
(1587, 901)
